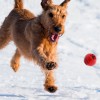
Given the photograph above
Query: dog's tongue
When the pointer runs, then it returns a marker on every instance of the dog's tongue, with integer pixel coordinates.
(54, 37)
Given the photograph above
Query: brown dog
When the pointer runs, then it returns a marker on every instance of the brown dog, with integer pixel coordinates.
(36, 38)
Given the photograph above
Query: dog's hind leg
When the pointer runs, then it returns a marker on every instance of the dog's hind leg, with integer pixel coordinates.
(50, 82)
(15, 62)
(5, 37)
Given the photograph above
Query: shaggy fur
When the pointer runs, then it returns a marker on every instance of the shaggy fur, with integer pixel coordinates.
(36, 38)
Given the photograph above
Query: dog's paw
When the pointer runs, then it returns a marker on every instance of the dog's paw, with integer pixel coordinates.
(51, 89)
(51, 65)
(15, 66)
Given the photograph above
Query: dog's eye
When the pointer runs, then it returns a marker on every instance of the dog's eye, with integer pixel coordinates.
(63, 16)
(50, 15)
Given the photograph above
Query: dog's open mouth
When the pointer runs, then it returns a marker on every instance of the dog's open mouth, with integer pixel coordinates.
(54, 37)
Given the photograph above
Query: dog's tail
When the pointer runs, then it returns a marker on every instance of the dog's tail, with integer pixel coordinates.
(18, 4)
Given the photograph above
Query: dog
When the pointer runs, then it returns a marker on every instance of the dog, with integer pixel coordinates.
(36, 38)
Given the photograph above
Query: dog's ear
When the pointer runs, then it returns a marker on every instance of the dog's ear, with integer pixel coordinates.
(64, 3)
(46, 4)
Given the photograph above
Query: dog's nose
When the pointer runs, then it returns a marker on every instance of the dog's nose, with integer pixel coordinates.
(57, 28)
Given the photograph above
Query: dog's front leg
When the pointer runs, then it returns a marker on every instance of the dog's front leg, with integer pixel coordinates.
(43, 59)
(50, 82)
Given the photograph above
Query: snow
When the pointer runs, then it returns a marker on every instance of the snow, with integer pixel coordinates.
(75, 80)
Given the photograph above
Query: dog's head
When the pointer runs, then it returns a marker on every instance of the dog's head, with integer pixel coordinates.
(53, 18)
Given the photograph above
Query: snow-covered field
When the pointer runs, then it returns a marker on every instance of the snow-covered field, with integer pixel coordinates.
(75, 80)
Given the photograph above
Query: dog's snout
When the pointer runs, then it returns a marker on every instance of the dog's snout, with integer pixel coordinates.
(57, 28)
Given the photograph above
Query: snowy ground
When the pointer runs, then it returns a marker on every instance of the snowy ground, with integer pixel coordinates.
(75, 80)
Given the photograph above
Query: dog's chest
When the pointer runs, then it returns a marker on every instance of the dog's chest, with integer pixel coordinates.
(49, 48)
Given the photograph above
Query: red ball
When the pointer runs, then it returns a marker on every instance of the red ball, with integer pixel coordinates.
(90, 59)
